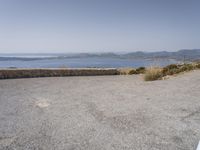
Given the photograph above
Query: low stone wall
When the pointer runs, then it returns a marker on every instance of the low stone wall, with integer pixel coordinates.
(31, 73)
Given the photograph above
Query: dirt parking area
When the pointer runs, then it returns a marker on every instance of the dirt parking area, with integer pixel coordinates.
(100, 113)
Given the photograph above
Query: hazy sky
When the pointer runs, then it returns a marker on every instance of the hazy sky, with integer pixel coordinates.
(98, 25)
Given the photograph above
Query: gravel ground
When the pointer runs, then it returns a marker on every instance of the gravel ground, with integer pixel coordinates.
(100, 112)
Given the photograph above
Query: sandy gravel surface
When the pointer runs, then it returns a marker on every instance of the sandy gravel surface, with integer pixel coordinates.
(102, 112)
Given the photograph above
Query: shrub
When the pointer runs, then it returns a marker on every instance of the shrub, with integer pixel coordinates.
(152, 74)
(187, 67)
(172, 66)
(140, 70)
(155, 73)
(198, 65)
(132, 71)
(175, 69)
(127, 71)
(170, 69)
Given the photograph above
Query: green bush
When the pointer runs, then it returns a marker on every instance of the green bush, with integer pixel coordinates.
(190, 67)
(175, 69)
(140, 70)
(170, 69)
(172, 66)
(132, 71)
(187, 67)
(198, 65)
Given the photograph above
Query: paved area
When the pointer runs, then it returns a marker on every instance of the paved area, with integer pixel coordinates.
(100, 113)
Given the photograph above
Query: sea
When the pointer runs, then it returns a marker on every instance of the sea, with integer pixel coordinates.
(59, 61)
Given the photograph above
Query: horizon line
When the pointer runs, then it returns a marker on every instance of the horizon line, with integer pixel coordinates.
(97, 52)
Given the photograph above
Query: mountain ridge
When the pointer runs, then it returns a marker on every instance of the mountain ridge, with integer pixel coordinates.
(184, 54)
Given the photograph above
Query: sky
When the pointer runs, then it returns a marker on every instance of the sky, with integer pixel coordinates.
(54, 26)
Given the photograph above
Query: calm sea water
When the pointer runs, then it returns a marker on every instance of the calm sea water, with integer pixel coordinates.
(79, 62)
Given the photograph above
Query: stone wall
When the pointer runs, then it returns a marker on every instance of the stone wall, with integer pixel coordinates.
(31, 73)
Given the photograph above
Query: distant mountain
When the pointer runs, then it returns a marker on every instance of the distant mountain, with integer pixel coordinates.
(4, 58)
(85, 55)
(189, 55)
(185, 54)
(193, 54)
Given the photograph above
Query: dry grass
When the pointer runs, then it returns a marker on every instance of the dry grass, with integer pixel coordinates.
(153, 73)
(127, 71)
(130, 71)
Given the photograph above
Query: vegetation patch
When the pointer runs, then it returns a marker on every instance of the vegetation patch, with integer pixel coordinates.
(130, 71)
(127, 71)
(198, 65)
(154, 73)
(140, 70)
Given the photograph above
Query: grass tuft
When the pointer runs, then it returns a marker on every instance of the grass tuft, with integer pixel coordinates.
(153, 73)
